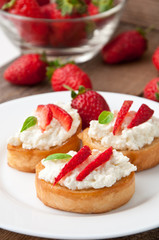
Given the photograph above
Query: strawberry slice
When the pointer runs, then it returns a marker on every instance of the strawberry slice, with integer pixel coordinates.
(121, 115)
(143, 114)
(62, 116)
(102, 158)
(44, 115)
(77, 159)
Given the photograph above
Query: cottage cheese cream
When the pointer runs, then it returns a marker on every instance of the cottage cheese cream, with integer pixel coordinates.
(128, 139)
(104, 176)
(54, 135)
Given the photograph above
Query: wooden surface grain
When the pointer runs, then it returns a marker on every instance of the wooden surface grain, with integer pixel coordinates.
(127, 78)
(144, 13)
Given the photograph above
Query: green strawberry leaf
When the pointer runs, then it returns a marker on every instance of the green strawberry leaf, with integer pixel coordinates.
(71, 6)
(105, 117)
(103, 5)
(81, 90)
(141, 31)
(53, 65)
(29, 122)
(157, 96)
(58, 156)
(8, 5)
(158, 85)
(73, 94)
(49, 72)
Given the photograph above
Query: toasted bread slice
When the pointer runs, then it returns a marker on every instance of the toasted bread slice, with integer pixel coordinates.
(145, 158)
(87, 200)
(26, 159)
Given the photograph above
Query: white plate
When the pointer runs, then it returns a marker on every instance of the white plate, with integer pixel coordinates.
(22, 212)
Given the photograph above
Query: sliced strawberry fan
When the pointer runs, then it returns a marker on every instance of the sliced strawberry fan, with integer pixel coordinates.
(121, 116)
(44, 115)
(143, 114)
(76, 160)
(101, 159)
(62, 116)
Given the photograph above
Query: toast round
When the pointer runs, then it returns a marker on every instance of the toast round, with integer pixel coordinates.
(85, 201)
(145, 158)
(26, 159)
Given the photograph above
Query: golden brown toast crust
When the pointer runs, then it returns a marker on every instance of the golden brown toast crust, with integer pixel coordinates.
(145, 158)
(26, 159)
(85, 201)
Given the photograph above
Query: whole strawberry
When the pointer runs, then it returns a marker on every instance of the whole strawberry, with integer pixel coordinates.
(151, 90)
(31, 31)
(92, 9)
(127, 46)
(26, 70)
(89, 105)
(96, 6)
(43, 2)
(64, 33)
(155, 58)
(2, 2)
(70, 75)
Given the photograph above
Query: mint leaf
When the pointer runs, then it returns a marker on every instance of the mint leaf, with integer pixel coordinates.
(29, 122)
(105, 117)
(58, 156)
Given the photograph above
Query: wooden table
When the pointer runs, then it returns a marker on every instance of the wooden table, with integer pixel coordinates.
(127, 78)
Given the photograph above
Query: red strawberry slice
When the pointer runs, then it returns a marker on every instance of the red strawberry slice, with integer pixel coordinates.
(62, 116)
(121, 115)
(143, 114)
(80, 157)
(102, 158)
(44, 115)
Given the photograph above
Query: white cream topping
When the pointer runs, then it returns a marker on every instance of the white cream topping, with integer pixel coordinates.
(54, 135)
(104, 176)
(128, 139)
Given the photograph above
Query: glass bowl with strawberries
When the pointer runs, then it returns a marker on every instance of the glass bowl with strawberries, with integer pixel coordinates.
(72, 30)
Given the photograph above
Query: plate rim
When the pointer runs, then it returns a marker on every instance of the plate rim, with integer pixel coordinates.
(13, 229)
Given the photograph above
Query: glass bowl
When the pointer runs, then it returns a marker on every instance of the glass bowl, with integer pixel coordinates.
(77, 39)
